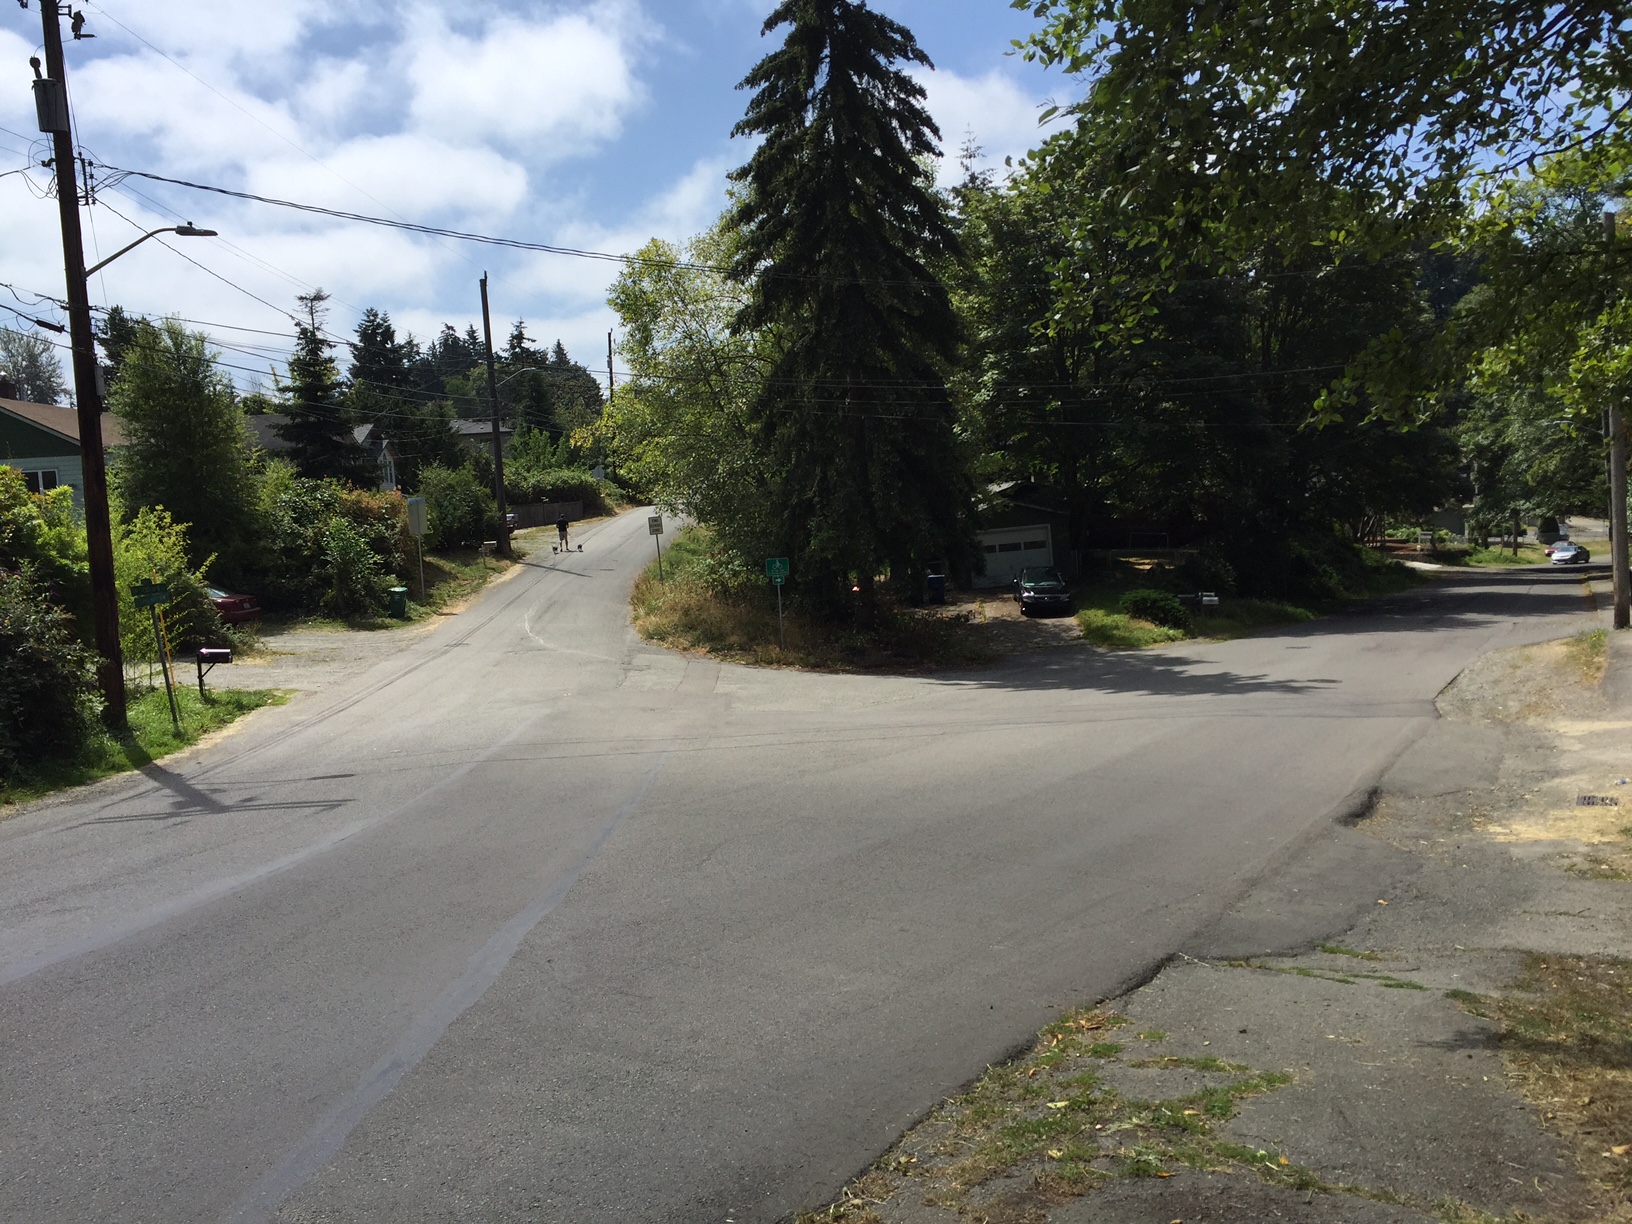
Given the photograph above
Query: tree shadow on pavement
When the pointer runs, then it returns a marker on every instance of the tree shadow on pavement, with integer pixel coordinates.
(1458, 601)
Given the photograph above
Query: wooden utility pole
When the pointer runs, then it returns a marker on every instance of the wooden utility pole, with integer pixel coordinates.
(503, 543)
(1618, 561)
(51, 101)
(609, 375)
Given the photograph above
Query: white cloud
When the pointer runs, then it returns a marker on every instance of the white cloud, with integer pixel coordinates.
(558, 86)
(413, 175)
(999, 115)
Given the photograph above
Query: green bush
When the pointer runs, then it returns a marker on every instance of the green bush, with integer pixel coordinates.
(1157, 607)
(303, 554)
(354, 581)
(458, 510)
(48, 706)
(152, 547)
(42, 531)
(562, 484)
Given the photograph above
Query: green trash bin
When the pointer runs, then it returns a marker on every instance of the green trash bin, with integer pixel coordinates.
(399, 603)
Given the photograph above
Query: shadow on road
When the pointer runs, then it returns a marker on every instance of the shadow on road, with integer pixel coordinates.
(1453, 601)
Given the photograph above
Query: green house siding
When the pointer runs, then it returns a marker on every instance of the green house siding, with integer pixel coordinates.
(21, 439)
(29, 448)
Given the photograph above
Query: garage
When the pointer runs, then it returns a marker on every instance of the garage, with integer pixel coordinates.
(1008, 550)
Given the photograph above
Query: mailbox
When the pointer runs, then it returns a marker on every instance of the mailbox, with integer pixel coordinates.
(208, 657)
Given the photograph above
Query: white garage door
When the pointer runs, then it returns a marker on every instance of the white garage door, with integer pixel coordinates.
(1008, 550)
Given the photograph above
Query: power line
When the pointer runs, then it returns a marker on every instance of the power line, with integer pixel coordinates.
(428, 230)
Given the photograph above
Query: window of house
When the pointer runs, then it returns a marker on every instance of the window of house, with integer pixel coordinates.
(40, 480)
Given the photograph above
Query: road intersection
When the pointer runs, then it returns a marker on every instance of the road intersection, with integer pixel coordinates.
(533, 921)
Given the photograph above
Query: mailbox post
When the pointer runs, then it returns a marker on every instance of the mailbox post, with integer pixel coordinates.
(208, 658)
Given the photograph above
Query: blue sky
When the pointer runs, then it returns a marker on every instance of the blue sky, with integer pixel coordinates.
(587, 125)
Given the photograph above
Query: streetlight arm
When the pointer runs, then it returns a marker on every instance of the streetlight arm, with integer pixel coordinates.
(186, 231)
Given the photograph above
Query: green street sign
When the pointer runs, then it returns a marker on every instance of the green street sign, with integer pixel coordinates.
(777, 568)
(150, 594)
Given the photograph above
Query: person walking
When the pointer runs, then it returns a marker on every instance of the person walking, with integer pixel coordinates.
(561, 531)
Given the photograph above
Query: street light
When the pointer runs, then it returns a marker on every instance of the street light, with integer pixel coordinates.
(183, 231)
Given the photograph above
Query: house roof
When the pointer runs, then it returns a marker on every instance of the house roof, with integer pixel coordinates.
(64, 422)
(265, 426)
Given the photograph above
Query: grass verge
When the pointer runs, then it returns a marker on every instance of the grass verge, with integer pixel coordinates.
(450, 578)
(152, 736)
(1565, 1033)
(688, 610)
(1528, 554)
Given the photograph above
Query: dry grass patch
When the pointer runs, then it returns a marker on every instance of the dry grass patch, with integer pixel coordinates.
(1566, 1038)
(692, 609)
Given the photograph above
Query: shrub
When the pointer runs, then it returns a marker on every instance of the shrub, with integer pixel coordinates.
(1157, 607)
(354, 579)
(302, 555)
(48, 705)
(152, 547)
(458, 510)
(42, 532)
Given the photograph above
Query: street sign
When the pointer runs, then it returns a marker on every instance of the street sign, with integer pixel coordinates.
(654, 525)
(416, 516)
(777, 568)
(150, 594)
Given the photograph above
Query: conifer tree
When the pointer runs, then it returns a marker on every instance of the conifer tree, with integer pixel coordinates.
(318, 431)
(840, 228)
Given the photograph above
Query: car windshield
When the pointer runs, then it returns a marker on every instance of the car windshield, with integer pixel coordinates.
(1031, 579)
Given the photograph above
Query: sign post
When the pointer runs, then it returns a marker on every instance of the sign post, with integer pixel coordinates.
(777, 569)
(153, 596)
(416, 528)
(654, 524)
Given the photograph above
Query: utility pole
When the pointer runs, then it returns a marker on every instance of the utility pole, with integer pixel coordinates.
(503, 542)
(1617, 478)
(609, 375)
(51, 101)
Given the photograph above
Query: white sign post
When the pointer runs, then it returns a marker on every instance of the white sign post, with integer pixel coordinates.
(416, 528)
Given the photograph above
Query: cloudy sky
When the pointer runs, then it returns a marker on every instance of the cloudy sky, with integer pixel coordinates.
(588, 125)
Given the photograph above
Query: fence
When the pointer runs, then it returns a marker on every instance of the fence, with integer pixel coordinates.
(543, 514)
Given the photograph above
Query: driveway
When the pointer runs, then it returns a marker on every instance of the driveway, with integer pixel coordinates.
(531, 921)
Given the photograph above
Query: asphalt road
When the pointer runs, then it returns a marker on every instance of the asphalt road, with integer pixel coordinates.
(534, 922)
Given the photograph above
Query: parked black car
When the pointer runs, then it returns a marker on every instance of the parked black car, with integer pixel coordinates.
(1039, 588)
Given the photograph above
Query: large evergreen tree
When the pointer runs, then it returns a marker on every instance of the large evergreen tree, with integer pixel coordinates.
(319, 432)
(383, 393)
(841, 227)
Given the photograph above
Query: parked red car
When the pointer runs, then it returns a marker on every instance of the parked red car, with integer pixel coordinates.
(234, 609)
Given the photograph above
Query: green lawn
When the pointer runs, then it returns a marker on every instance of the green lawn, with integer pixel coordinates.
(152, 737)
(1105, 624)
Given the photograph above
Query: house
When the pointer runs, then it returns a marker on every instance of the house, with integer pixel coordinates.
(1023, 523)
(42, 441)
(381, 451)
(479, 434)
